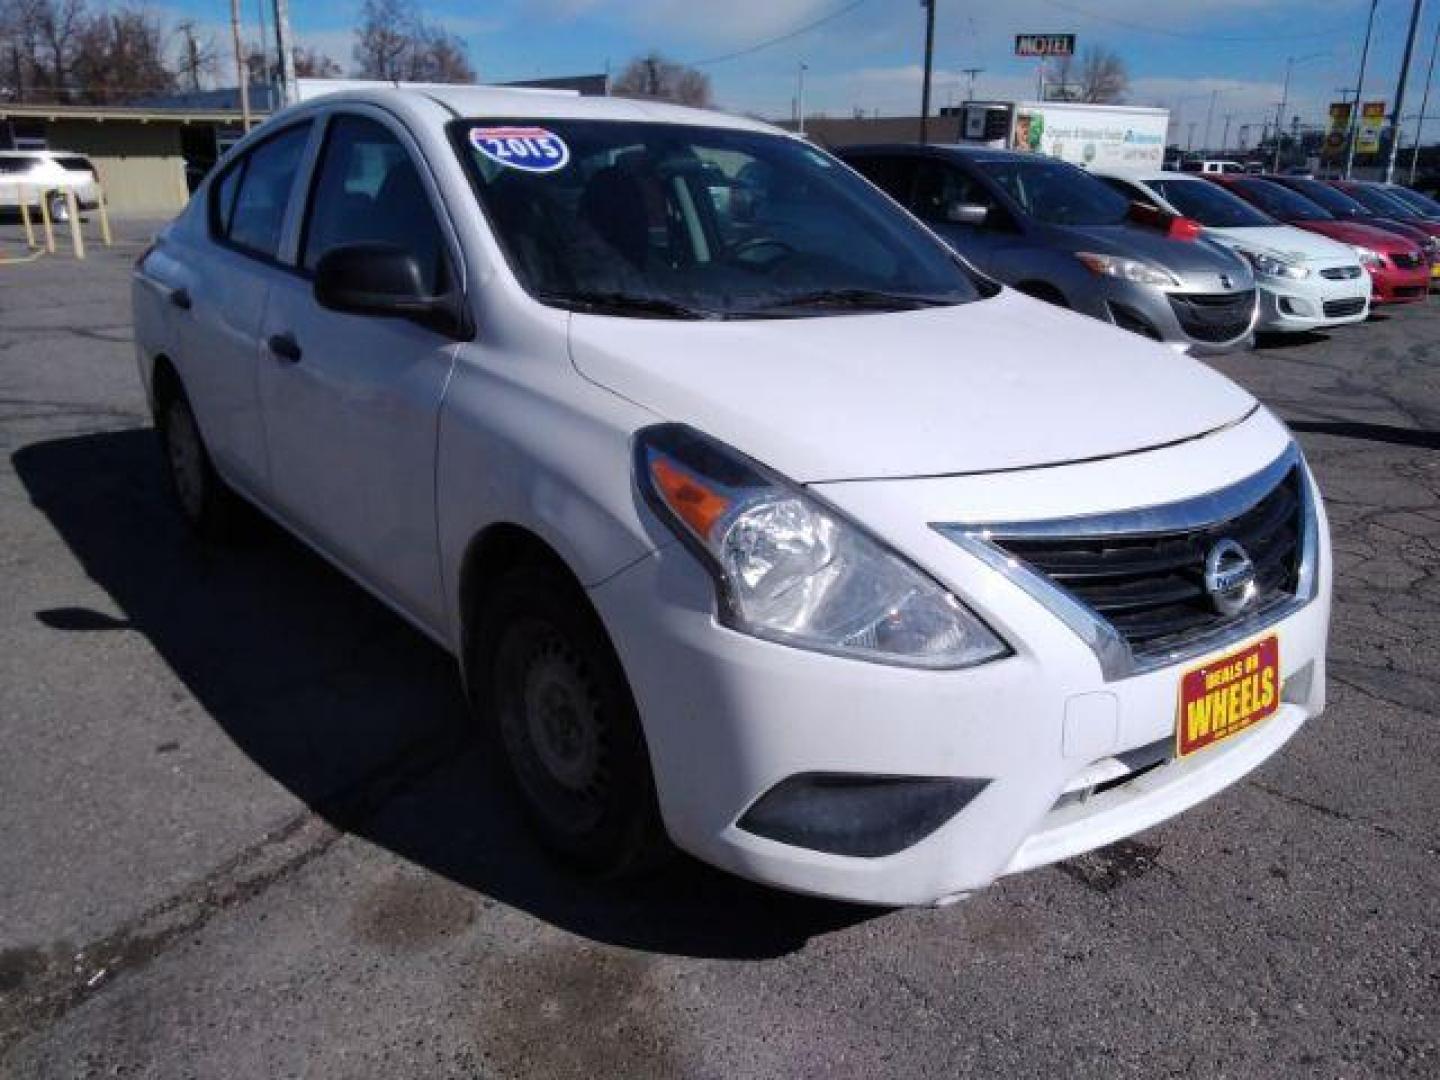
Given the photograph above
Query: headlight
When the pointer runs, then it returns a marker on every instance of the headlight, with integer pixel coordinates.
(1142, 273)
(1371, 260)
(1267, 265)
(790, 569)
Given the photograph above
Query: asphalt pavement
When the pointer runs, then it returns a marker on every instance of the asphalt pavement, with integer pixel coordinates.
(245, 829)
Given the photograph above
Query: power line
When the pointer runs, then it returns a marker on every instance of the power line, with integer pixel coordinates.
(780, 37)
(1187, 35)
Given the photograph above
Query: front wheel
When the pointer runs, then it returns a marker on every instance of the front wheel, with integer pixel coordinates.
(555, 695)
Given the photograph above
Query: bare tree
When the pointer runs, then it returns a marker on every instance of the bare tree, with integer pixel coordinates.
(314, 64)
(1102, 77)
(394, 42)
(654, 76)
(119, 56)
(197, 57)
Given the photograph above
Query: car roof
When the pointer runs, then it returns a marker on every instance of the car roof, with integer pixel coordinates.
(966, 150)
(492, 101)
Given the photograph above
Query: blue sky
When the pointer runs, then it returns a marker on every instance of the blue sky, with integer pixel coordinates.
(1179, 51)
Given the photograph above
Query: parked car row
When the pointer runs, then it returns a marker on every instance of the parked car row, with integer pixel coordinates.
(1200, 260)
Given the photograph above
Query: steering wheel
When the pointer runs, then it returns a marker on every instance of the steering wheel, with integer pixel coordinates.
(759, 243)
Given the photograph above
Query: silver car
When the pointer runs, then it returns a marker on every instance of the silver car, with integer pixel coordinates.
(1054, 231)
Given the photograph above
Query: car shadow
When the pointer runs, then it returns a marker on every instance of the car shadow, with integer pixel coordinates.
(1264, 342)
(356, 713)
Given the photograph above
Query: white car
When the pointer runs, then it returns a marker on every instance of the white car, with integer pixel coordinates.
(761, 523)
(48, 174)
(1307, 281)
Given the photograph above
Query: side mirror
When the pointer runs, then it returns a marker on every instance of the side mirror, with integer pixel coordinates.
(967, 213)
(385, 279)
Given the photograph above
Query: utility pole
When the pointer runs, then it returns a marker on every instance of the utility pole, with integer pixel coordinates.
(970, 74)
(1400, 92)
(1225, 138)
(929, 6)
(1359, 89)
(1424, 103)
(240, 73)
(1190, 144)
(289, 92)
(1280, 114)
(800, 101)
(1209, 118)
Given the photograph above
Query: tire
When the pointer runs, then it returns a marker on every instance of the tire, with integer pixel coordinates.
(206, 502)
(550, 688)
(59, 211)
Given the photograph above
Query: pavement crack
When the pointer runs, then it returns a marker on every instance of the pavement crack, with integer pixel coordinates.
(1326, 811)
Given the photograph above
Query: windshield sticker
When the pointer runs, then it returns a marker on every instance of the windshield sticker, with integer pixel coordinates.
(530, 149)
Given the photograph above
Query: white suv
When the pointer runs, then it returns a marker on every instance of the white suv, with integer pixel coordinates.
(754, 517)
(48, 174)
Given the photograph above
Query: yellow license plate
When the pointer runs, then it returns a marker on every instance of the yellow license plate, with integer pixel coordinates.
(1228, 694)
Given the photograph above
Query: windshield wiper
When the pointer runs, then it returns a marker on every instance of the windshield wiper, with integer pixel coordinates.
(861, 299)
(617, 303)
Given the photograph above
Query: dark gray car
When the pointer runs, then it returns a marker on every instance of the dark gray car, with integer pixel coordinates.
(1056, 232)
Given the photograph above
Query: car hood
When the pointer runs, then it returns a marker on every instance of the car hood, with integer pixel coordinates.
(1294, 244)
(1352, 232)
(1004, 383)
(1135, 242)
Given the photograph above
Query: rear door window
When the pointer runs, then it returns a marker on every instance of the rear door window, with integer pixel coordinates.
(250, 200)
(14, 166)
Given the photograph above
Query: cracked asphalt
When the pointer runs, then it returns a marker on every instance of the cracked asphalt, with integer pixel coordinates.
(245, 831)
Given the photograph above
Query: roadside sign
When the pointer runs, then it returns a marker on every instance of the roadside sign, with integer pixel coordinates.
(1372, 121)
(1044, 44)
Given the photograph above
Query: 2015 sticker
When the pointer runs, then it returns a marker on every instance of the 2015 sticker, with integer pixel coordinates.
(530, 149)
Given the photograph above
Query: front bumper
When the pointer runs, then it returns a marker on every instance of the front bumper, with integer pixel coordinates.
(1395, 286)
(1149, 310)
(728, 717)
(1296, 306)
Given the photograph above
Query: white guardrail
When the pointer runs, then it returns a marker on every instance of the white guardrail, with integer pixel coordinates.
(26, 196)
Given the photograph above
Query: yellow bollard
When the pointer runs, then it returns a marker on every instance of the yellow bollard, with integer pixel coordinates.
(24, 201)
(104, 214)
(45, 220)
(77, 240)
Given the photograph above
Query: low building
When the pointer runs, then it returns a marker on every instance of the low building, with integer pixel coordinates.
(147, 157)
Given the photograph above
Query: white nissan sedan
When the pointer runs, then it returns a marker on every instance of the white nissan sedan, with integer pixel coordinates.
(755, 519)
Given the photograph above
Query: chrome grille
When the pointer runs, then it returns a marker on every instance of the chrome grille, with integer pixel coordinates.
(1132, 583)
(1341, 273)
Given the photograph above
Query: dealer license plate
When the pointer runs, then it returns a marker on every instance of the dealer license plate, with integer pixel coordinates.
(1227, 694)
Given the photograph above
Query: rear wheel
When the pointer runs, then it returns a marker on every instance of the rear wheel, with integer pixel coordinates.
(551, 687)
(206, 502)
(59, 210)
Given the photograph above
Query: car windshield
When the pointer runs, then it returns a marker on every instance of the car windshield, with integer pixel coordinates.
(1380, 202)
(1056, 193)
(1279, 201)
(1332, 199)
(1210, 204)
(1423, 203)
(659, 220)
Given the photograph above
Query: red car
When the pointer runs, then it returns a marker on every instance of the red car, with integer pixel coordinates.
(1393, 213)
(1399, 267)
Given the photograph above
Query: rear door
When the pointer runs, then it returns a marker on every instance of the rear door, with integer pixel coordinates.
(352, 402)
(217, 288)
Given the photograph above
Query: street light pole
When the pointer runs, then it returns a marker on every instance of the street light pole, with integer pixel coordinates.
(1280, 114)
(241, 75)
(1359, 89)
(1400, 92)
(1424, 103)
(1225, 138)
(1209, 117)
(800, 100)
(929, 6)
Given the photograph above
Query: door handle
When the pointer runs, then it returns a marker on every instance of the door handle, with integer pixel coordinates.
(180, 298)
(285, 348)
